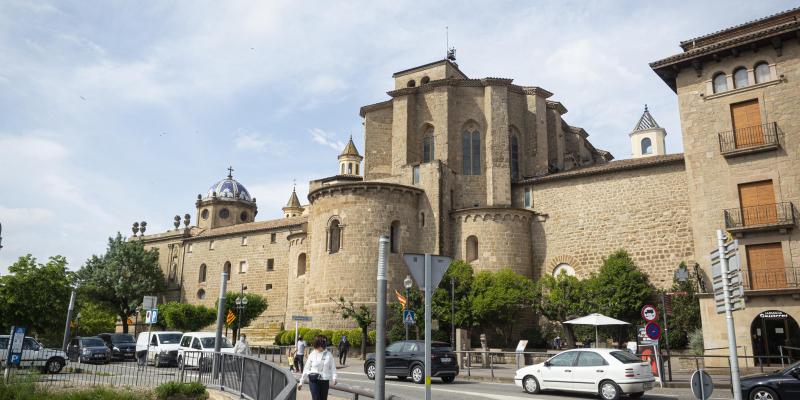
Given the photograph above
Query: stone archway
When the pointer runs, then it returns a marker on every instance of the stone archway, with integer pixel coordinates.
(770, 333)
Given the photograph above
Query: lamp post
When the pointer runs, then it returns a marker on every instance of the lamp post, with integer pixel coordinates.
(407, 283)
(241, 303)
(453, 311)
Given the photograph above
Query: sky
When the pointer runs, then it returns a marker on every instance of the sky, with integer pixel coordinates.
(113, 112)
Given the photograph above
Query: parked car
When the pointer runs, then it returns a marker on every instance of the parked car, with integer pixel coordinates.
(162, 350)
(195, 348)
(780, 385)
(122, 345)
(34, 355)
(607, 372)
(89, 349)
(406, 358)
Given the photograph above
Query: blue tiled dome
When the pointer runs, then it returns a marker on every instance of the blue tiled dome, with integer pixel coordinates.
(229, 188)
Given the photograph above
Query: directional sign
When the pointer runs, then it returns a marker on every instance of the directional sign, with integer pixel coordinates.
(15, 348)
(649, 313)
(653, 330)
(149, 302)
(409, 317)
(301, 318)
(735, 282)
(416, 264)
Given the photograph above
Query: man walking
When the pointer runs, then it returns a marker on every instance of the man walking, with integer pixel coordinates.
(344, 348)
(301, 351)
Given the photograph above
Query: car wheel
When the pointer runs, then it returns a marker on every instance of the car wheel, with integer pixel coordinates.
(448, 379)
(530, 384)
(762, 393)
(417, 374)
(609, 390)
(371, 371)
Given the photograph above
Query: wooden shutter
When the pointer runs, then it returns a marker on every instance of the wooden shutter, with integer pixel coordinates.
(766, 268)
(758, 203)
(747, 129)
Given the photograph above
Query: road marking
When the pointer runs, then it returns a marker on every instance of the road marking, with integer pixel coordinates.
(463, 392)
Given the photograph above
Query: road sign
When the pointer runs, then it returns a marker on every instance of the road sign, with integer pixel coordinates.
(151, 317)
(149, 302)
(702, 385)
(409, 317)
(735, 282)
(649, 313)
(416, 264)
(653, 330)
(301, 318)
(15, 349)
(644, 340)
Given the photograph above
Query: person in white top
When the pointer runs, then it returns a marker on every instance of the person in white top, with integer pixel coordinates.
(320, 369)
(242, 347)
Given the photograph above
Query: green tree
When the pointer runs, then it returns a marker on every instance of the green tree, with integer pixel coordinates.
(36, 296)
(620, 289)
(185, 317)
(499, 298)
(564, 297)
(463, 274)
(685, 316)
(122, 276)
(396, 328)
(361, 314)
(95, 318)
(256, 305)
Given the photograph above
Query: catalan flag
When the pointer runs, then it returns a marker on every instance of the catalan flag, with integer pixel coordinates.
(402, 299)
(230, 318)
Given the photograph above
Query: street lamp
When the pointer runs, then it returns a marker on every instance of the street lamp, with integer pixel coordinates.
(241, 303)
(407, 283)
(453, 311)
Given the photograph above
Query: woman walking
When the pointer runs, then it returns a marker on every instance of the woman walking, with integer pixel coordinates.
(320, 369)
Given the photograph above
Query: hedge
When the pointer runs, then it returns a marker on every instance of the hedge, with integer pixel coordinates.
(286, 337)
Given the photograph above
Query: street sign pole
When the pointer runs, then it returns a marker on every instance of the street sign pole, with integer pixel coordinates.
(70, 309)
(666, 335)
(380, 328)
(428, 326)
(734, 360)
(215, 367)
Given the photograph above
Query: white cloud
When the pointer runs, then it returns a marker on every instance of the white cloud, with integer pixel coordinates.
(326, 139)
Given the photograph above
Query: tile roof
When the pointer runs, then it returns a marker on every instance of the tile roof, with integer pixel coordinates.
(251, 227)
(613, 166)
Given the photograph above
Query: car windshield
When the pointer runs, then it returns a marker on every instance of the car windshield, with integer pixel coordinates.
(208, 343)
(122, 338)
(791, 367)
(93, 342)
(625, 357)
(169, 338)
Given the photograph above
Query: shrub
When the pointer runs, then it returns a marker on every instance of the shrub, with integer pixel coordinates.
(169, 390)
(696, 342)
(185, 317)
(354, 336)
(278, 338)
(373, 336)
(310, 335)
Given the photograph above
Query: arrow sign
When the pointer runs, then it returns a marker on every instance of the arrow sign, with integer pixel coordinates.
(416, 264)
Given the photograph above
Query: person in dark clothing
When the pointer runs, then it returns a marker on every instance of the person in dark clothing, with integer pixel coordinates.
(344, 348)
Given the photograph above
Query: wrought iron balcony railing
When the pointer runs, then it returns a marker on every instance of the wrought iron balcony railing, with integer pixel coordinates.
(752, 137)
(776, 215)
(771, 278)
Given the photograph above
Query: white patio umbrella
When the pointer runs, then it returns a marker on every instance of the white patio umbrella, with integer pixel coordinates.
(596, 320)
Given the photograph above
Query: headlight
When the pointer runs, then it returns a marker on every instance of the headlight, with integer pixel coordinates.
(116, 348)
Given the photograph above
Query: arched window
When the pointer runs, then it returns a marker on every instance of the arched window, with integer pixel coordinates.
(427, 145)
(471, 152)
(720, 83)
(422, 219)
(740, 77)
(227, 269)
(514, 157)
(201, 294)
(472, 248)
(647, 146)
(411, 83)
(202, 275)
(394, 237)
(762, 72)
(424, 80)
(301, 264)
(563, 268)
(334, 236)
(356, 169)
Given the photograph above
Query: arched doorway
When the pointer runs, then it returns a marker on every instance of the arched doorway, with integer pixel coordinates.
(771, 330)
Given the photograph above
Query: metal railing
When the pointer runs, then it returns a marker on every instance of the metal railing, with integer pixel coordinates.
(751, 136)
(771, 278)
(247, 376)
(778, 214)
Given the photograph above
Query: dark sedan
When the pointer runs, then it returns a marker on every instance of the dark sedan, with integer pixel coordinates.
(89, 350)
(780, 385)
(122, 345)
(405, 358)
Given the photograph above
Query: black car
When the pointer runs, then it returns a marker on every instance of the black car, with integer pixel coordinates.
(780, 385)
(122, 345)
(406, 358)
(89, 350)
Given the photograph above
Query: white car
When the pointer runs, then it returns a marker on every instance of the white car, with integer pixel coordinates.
(35, 355)
(162, 349)
(196, 348)
(607, 372)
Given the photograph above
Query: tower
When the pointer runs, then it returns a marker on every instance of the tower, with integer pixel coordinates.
(293, 207)
(350, 160)
(226, 203)
(647, 138)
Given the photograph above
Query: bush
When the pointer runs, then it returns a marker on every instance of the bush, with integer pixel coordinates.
(170, 390)
(354, 336)
(277, 340)
(373, 336)
(28, 390)
(696, 342)
(310, 335)
(185, 317)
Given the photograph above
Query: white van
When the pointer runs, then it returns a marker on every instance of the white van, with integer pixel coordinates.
(163, 348)
(196, 347)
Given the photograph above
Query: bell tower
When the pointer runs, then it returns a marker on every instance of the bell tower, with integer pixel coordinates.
(350, 160)
(647, 137)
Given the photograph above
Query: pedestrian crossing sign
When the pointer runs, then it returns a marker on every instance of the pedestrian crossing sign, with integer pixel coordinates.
(408, 317)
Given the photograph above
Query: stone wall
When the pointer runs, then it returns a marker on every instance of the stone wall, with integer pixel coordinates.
(586, 218)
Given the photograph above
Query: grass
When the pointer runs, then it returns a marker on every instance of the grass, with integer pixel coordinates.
(175, 390)
(30, 391)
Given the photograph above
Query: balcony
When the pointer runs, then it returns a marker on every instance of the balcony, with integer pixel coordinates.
(771, 278)
(778, 216)
(749, 140)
